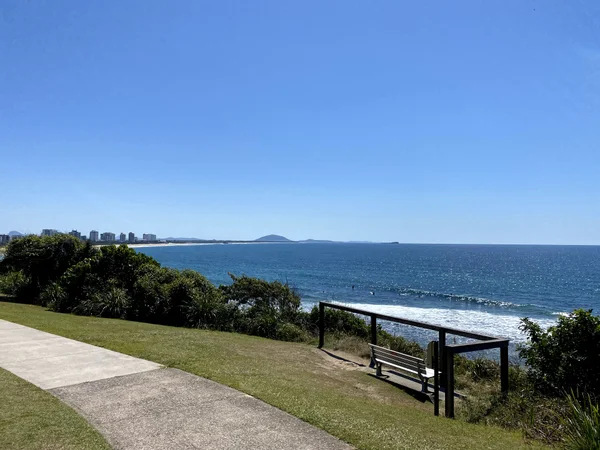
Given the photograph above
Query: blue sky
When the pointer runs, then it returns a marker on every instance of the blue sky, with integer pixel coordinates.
(458, 122)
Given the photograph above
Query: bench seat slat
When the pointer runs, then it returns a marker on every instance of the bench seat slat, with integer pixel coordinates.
(401, 361)
(398, 358)
(407, 369)
(395, 356)
(387, 351)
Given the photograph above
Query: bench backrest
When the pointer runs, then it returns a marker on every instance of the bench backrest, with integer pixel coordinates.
(429, 355)
(400, 359)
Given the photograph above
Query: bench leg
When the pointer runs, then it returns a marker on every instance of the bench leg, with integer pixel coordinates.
(424, 385)
(378, 370)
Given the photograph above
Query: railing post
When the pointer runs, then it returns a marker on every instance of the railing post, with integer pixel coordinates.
(436, 381)
(442, 351)
(321, 325)
(449, 383)
(374, 330)
(504, 369)
(373, 339)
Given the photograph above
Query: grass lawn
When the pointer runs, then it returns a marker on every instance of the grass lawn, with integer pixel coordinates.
(31, 418)
(297, 378)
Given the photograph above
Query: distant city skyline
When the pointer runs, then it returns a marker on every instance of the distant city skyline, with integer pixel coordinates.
(423, 122)
(94, 235)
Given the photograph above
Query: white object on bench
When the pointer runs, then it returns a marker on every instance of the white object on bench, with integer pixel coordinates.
(408, 363)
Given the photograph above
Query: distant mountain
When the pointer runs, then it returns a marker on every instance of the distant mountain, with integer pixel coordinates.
(316, 241)
(272, 238)
(14, 233)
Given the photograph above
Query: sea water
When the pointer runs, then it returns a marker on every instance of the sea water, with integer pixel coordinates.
(481, 288)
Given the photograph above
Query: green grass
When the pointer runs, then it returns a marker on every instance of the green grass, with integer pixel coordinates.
(297, 378)
(31, 418)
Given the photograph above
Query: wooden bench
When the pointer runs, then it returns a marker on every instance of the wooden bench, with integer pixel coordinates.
(408, 363)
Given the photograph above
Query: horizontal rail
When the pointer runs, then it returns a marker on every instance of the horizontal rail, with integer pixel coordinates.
(476, 346)
(414, 323)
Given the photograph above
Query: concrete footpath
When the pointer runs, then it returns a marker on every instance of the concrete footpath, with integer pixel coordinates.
(138, 404)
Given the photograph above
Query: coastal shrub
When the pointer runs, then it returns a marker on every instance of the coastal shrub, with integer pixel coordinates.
(93, 280)
(77, 285)
(262, 306)
(212, 312)
(191, 299)
(122, 264)
(478, 369)
(536, 415)
(112, 301)
(582, 424)
(258, 296)
(42, 260)
(14, 284)
(150, 294)
(292, 333)
(54, 294)
(565, 357)
(339, 321)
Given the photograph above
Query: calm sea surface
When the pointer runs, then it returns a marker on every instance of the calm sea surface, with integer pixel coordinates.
(485, 288)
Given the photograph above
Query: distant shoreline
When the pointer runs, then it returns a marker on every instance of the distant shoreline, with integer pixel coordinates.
(179, 244)
(184, 244)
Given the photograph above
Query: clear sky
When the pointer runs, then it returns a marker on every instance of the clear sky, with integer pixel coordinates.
(438, 121)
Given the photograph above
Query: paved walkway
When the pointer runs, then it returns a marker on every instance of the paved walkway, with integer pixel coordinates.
(136, 404)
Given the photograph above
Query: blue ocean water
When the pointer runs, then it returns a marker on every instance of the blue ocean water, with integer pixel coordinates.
(485, 288)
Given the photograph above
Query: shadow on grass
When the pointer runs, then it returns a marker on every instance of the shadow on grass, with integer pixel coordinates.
(341, 358)
(417, 394)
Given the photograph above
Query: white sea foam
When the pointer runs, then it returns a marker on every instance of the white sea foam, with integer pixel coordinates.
(469, 320)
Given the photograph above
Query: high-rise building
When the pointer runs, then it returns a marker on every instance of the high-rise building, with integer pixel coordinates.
(4, 239)
(131, 237)
(122, 237)
(149, 237)
(107, 237)
(93, 236)
(75, 233)
(49, 232)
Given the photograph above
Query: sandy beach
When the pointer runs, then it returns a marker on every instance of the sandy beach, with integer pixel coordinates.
(169, 244)
(184, 244)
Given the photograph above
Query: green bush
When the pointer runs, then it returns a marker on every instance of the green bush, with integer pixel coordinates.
(14, 283)
(566, 357)
(478, 369)
(112, 301)
(291, 333)
(150, 293)
(54, 296)
(582, 424)
(262, 305)
(338, 321)
(77, 285)
(42, 261)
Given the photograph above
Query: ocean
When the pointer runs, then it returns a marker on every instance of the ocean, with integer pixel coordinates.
(485, 288)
